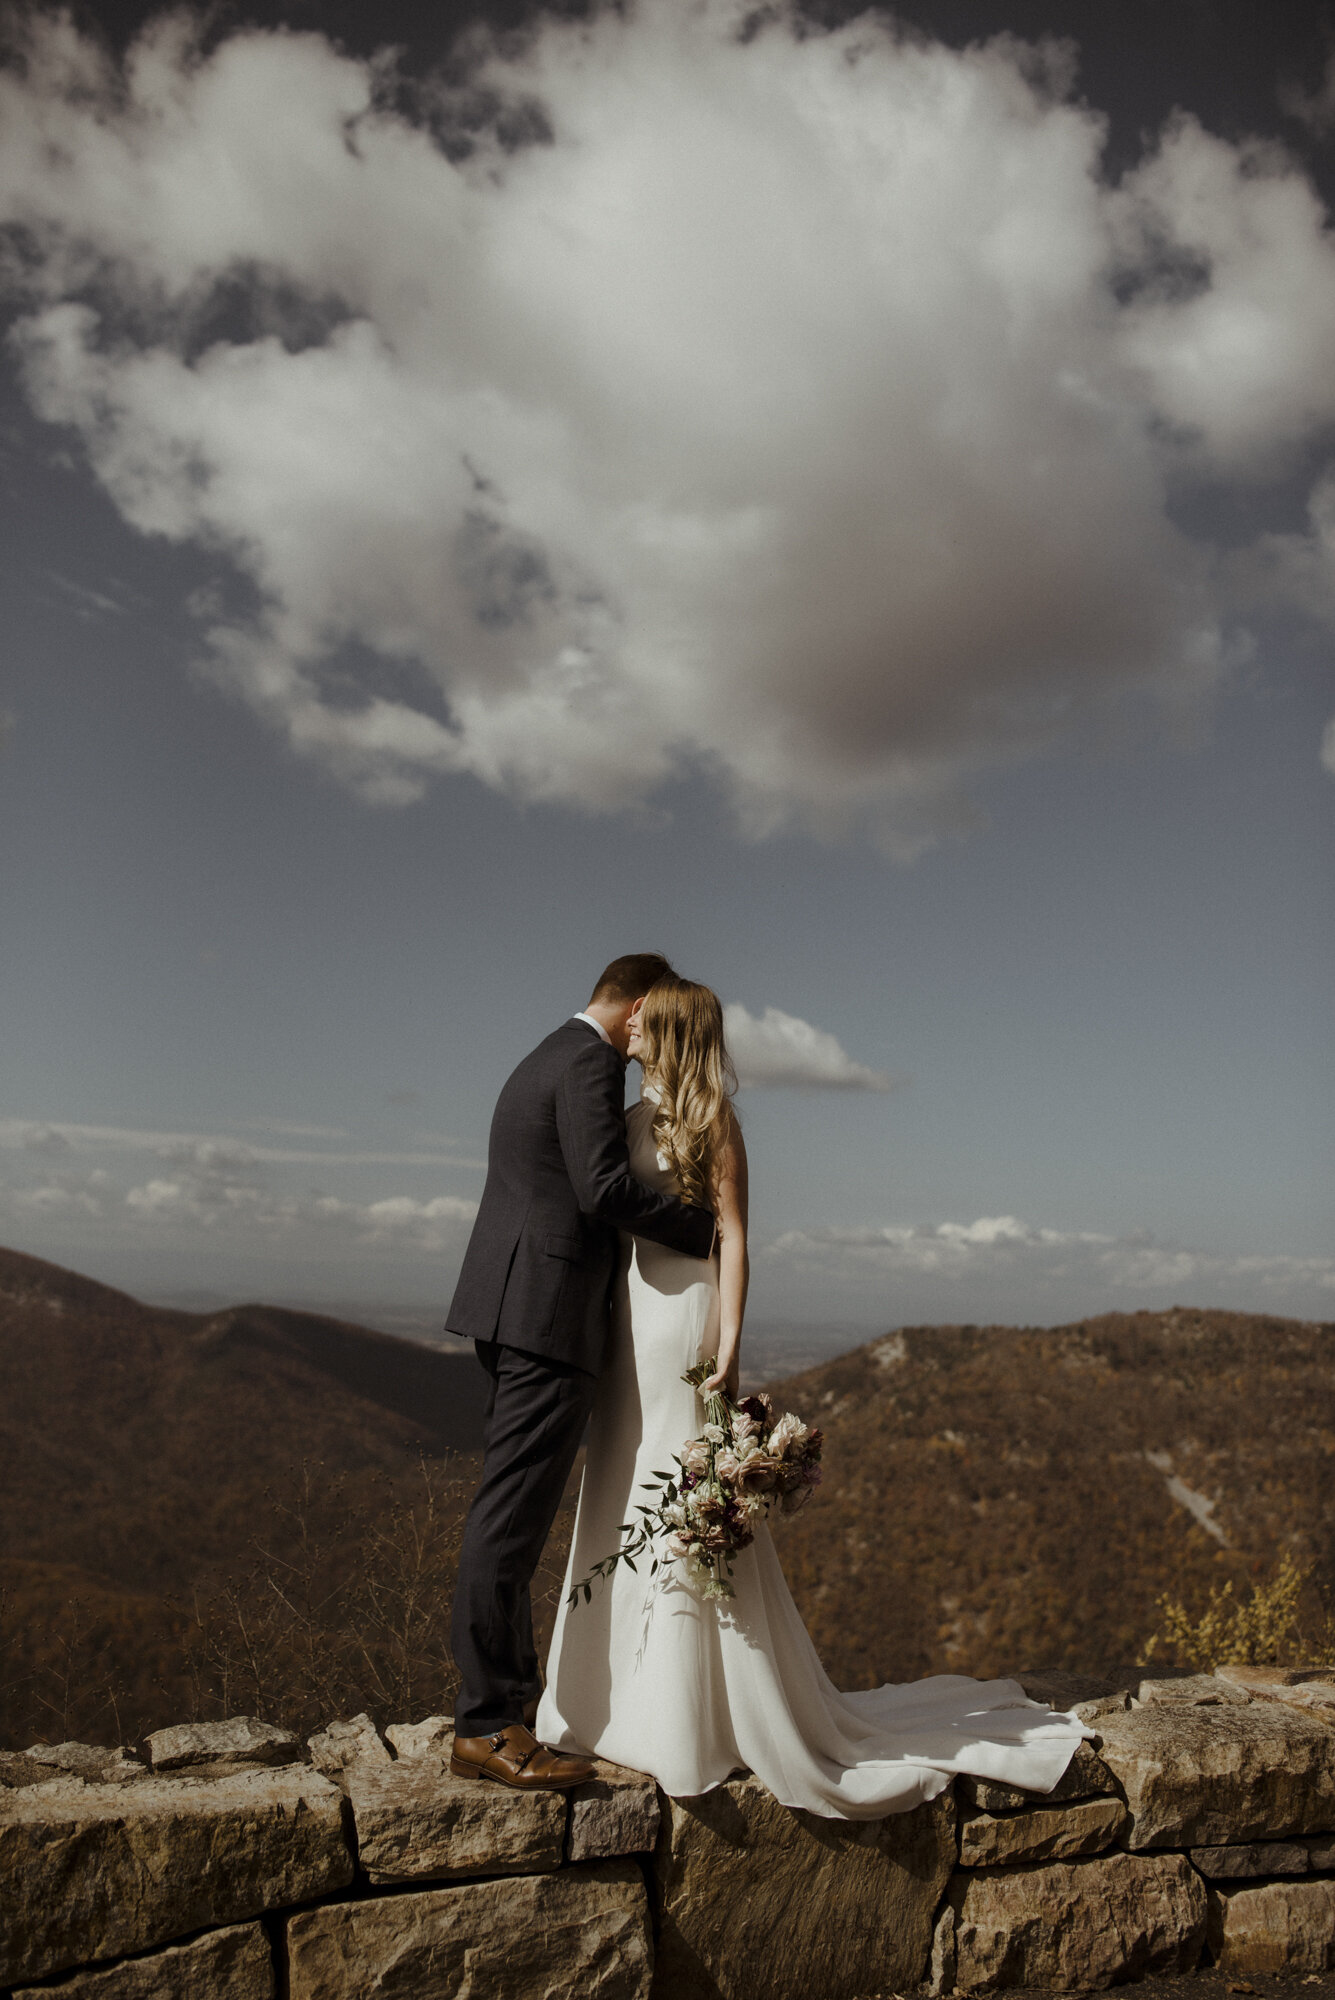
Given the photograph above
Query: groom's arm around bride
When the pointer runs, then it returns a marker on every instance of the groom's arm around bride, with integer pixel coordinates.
(533, 1294)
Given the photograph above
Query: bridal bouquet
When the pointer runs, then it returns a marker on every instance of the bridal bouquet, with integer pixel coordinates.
(745, 1461)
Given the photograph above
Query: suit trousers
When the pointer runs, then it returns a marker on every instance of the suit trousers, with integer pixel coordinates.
(537, 1408)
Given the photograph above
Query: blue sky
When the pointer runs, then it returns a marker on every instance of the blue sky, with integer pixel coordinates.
(968, 707)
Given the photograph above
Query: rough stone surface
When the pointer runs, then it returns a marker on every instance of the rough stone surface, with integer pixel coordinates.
(1085, 1695)
(419, 1739)
(231, 1964)
(1321, 1854)
(1264, 1680)
(740, 1878)
(335, 1749)
(1046, 1833)
(90, 1872)
(241, 1739)
(1299, 1687)
(1316, 1695)
(943, 1960)
(1199, 1690)
(416, 1822)
(1085, 1777)
(580, 1935)
(95, 1763)
(617, 1812)
(42, 1765)
(1252, 1858)
(1070, 1923)
(1275, 1927)
(16, 1768)
(1210, 1777)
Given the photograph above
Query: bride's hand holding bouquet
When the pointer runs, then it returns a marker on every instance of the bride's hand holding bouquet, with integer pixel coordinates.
(744, 1462)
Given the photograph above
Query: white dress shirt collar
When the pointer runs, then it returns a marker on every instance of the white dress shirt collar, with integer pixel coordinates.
(597, 1026)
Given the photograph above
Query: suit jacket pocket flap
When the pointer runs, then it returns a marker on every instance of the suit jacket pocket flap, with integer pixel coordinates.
(564, 1246)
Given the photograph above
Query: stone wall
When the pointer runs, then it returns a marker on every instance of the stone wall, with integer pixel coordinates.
(230, 1862)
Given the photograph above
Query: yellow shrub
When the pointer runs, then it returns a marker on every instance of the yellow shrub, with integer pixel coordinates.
(1265, 1629)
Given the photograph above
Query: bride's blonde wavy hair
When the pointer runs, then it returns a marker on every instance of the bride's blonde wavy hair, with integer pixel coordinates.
(685, 1058)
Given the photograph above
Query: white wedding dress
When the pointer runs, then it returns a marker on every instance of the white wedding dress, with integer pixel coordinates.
(649, 1675)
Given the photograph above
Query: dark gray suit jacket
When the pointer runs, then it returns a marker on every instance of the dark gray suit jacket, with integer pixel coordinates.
(538, 1269)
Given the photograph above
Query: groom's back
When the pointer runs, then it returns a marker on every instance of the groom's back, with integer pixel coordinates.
(536, 1271)
(524, 1149)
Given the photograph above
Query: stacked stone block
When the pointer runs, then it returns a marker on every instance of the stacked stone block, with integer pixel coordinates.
(1192, 1828)
(231, 1862)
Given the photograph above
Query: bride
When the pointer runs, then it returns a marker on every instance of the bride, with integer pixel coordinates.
(648, 1673)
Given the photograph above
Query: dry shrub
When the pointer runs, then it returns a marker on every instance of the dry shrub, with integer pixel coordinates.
(1280, 1623)
(64, 1649)
(339, 1609)
(339, 1603)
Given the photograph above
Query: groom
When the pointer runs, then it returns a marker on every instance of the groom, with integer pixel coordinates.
(533, 1294)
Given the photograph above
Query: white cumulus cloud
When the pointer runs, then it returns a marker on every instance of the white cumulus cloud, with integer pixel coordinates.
(977, 1270)
(779, 1049)
(251, 1211)
(238, 1197)
(686, 390)
(210, 1151)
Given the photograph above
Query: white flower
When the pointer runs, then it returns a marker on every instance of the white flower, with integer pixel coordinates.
(715, 1433)
(788, 1432)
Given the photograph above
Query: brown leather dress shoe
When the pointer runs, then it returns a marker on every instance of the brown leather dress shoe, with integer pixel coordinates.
(514, 1757)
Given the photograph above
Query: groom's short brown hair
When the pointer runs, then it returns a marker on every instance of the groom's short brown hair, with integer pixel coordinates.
(627, 978)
